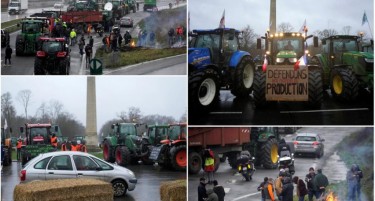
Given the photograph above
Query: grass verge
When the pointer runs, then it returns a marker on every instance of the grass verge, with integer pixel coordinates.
(10, 26)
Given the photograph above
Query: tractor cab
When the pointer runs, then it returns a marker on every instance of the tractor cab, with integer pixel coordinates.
(334, 47)
(177, 132)
(156, 133)
(32, 26)
(38, 133)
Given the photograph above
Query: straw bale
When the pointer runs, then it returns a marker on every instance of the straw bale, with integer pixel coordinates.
(173, 190)
(64, 190)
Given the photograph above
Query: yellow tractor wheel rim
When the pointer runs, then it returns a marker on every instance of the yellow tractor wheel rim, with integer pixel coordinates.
(337, 84)
(274, 153)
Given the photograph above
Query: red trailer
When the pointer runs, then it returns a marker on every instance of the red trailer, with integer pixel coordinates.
(225, 142)
(82, 17)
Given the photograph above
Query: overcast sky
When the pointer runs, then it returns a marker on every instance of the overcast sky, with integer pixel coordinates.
(319, 14)
(152, 94)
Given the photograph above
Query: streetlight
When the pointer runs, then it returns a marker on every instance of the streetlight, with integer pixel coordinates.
(361, 35)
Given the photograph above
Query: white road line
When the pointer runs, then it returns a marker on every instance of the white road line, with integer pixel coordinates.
(245, 196)
(225, 112)
(332, 110)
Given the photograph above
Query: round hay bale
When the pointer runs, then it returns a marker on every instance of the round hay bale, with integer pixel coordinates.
(173, 190)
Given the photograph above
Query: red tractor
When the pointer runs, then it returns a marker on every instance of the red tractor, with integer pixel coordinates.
(52, 57)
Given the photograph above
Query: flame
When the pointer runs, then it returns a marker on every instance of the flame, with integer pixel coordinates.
(331, 197)
(132, 44)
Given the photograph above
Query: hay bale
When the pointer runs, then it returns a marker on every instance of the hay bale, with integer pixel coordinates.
(64, 190)
(173, 190)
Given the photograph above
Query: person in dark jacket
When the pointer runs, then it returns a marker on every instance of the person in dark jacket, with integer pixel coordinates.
(261, 187)
(119, 39)
(202, 195)
(283, 146)
(310, 183)
(211, 195)
(352, 177)
(219, 190)
(91, 41)
(8, 55)
(301, 188)
(320, 183)
(269, 190)
(127, 37)
(287, 192)
(360, 176)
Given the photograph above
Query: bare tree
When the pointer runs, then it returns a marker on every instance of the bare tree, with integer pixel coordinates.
(285, 27)
(183, 118)
(134, 114)
(346, 30)
(24, 97)
(325, 33)
(55, 109)
(7, 109)
(248, 38)
(42, 112)
(123, 116)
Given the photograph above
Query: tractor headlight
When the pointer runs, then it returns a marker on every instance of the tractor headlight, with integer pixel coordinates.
(279, 60)
(369, 60)
(292, 60)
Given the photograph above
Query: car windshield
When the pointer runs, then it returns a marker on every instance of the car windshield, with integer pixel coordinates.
(306, 138)
(51, 46)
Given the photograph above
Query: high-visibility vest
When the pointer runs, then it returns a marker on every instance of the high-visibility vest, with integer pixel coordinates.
(73, 148)
(19, 144)
(63, 147)
(209, 164)
(54, 141)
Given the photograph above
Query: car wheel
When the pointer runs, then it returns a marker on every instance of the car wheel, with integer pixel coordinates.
(119, 188)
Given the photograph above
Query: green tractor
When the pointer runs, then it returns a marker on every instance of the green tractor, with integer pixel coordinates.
(124, 144)
(27, 40)
(345, 69)
(264, 146)
(6, 149)
(130, 5)
(172, 151)
(155, 134)
(38, 140)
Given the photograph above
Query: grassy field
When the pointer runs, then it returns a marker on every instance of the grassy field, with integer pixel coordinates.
(9, 25)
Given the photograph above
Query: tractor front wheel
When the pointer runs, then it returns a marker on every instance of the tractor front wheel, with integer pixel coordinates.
(19, 49)
(259, 89)
(122, 156)
(178, 156)
(344, 84)
(243, 77)
(38, 67)
(269, 153)
(63, 67)
(315, 88)
(108, 152)
(195, 162)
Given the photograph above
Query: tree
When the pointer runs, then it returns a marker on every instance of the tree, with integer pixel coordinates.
(123, 116)
(346, 30)
(55, 109)
(325, 33)
(7, 109)
(248, 38)
(183, 118)
(134, 114)
(24, 97)
(285, 27)
(42, 113)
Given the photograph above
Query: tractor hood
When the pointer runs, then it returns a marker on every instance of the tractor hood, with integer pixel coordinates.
(199, 57)
(286, 54)
(365, 55)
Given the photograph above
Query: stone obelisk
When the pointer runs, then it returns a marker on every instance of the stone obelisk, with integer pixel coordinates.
(273, 17)
(91, 130)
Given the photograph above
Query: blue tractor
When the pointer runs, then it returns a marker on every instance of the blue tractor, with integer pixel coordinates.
(215, 61)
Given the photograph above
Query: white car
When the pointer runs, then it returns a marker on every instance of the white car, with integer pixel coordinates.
(74, 164)
(58, 5)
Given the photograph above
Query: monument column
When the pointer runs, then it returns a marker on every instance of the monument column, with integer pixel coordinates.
(91, 129)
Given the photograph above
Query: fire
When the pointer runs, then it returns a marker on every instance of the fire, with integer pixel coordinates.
(132, 44)
(331, 197)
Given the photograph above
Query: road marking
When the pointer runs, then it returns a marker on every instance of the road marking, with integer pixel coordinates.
(225, 112)
(245, 196)
(332, 110)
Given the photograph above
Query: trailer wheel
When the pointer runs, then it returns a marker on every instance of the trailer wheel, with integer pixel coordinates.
(268, 154)
(195, 162)
(122, 156)
(259, 89)
(344, 84)
(315, 88)
(178, 157)
(108, 152)
(243, 77)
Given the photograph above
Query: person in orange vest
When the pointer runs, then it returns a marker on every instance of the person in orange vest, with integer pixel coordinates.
(179, 32)
(19, 145)
(54, 141)
(89, 27)
(74, 146)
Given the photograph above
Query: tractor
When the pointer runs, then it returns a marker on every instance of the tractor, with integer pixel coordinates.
(27, 40)
(37, 140)
(124, 145)
(53, 57)
(172, 151)
(130, 5)
(155, 134)
(345, 69)
(215, 61)
(6, 149)
(280, 78)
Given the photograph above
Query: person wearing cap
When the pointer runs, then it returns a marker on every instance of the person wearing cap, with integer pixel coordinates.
(268, 190)
(309, 179)
(279, 184)
(287, 191)
(202, 195)
(320, 183)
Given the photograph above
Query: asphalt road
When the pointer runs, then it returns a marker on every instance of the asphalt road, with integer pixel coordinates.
(236, 111)
(238, 189)
(149, 179)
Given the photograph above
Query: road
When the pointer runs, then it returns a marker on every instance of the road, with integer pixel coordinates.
(236, 111)
(238, 189)
(149, 179)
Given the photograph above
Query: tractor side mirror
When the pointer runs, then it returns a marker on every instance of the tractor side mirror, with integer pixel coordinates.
(56, 128)
(21, 129)
(316, 41)
(259, 43)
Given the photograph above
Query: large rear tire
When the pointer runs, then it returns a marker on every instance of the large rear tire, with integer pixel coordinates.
(315, 88)
(63, 67)
(259, 89)
(195, 163)
(203, 90)
(122, 156)
(232, 159)
(108, 152)
(268, 154)
(38, 67)
(178, 157)
(19, 49)
(243, 77)
(344, 84)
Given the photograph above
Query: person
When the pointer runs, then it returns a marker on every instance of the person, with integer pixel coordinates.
(202, 195)
(268, 191)
(360, 176)
(310, 183)
(91, 41)
(74, 146)
(89, 27)
(287, 191)
(108, 43)
(8, 55)
(81, 45)
(88, 51)
(283, 146)
(289, 46)
(114, 41)
(352, 177)
(261, 187)
(127, 37)
(140, 38)
(219, 190)
(179, 32)
(171, 36)
(279, 184)
(104, 41)
(19, 146)
(301, 188)
(73, 36)
(320, 183)
(119, 40)
(54, 141)
(211, 195)
(209, 164)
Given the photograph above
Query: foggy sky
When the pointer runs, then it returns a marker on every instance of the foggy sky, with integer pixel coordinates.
(151, 94)
(319, 14)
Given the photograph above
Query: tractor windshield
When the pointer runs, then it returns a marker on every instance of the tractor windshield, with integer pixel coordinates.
(51, 46)
(32, 27)
(344, 45)
(176, 131)
(38, 135)
(288, 44)
(128, 130)
(208, 41)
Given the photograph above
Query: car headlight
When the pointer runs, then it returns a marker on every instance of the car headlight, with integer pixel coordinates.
(279, 60)
(292, 60)
(369, 60)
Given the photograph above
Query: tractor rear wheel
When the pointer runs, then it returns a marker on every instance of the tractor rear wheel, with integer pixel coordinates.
(259, 89)
(243, 77)
(195, 162)
(203, 90)
(315, 88)
(269, 153)
(19, 49)
(63, 67)
(344, 84)
(122, 156)
(38, 67)
(108, 152)
(232, 159)
(178, 157)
